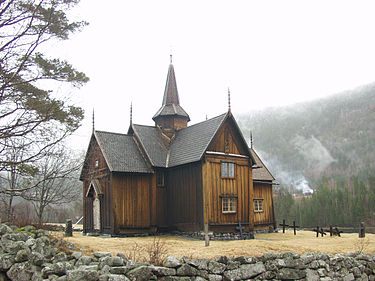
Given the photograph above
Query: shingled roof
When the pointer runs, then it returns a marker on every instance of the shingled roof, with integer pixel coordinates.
(260, 173)
(121, 152)
(188, 145)
(171, 101)
(151, 141)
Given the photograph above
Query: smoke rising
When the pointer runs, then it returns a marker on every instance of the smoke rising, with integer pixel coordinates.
(315, 153)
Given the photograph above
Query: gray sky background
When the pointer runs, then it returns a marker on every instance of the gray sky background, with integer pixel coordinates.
(270, 53)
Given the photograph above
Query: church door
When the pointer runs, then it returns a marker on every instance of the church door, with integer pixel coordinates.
(96, 213)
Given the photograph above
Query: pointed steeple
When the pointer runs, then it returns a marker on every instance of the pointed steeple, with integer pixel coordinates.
(170, 92)
(171, 115)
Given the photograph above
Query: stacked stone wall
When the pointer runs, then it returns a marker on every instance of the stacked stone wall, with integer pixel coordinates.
(30, 254)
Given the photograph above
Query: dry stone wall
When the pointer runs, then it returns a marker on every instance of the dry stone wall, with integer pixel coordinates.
(30, 254)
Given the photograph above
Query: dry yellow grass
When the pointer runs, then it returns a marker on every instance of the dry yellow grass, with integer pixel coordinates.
(304, 241)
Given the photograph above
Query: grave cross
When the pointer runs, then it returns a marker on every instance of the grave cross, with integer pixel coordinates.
(283, 225)
(337, 232)
(294, 227)
(240, 228)
(319, 230)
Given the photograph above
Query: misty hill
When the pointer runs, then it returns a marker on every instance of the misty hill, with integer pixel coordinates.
(326, 137)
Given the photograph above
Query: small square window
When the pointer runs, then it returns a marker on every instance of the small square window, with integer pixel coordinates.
(227, 169)
(258, 205)
(96, 163)
(229, 205)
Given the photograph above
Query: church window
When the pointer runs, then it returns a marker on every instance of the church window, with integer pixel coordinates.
(227, 170)
(96, 163)
(229, 205)
(258, 205)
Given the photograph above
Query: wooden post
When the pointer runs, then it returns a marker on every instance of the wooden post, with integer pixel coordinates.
(283, 225)
(362, 230)
(68, 228)
(206, 237)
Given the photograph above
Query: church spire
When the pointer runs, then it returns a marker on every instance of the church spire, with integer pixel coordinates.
(131, 113)
(171, 115)
(93, 120)
(170, 92)
(229, 108)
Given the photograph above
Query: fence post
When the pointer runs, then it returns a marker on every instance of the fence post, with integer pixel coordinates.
(68, 228)
(362, 230)
(206, 237)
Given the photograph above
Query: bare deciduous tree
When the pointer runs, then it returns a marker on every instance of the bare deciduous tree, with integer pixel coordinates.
(56, 181)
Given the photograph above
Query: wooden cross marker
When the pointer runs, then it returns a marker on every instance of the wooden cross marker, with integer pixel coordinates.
(283, 225)
(337, 232)
(240, 228)
(294, 227)
(319, 230)
(334, 231)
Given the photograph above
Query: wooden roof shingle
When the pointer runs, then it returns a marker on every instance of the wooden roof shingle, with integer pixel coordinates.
(260, 173)
(121, 152)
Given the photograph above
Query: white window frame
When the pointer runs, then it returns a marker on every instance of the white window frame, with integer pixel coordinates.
(229, 205)
(258, 205)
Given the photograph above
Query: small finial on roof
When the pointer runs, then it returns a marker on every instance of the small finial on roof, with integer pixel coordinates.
(206, 117)
(93, 120)
(170, 58)
(251, 139)
(229, 109)
(131, 113)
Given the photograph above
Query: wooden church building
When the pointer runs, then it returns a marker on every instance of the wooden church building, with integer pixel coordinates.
(175, 176)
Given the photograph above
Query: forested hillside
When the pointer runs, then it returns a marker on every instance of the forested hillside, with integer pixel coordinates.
(327, 137)
(327, 145)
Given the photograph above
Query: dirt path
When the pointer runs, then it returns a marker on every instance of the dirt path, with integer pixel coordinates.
(304, 241)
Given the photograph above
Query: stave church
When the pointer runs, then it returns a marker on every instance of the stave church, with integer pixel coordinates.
(172, 176)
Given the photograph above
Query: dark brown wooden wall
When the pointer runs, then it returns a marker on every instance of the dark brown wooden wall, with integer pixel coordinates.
(184, 197)
(264, 191)
(228, 140)
(131, 201)
(102, 173)
(172, 122)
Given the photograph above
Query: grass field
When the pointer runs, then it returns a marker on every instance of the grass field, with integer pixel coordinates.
(304, 241)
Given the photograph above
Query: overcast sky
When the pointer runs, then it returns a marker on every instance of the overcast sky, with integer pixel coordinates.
(270, 53)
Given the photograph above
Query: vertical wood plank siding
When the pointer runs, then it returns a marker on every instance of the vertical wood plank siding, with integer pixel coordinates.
(102, 174)
(264, 191)
(131, 201)
(184, 197)
(215, 187)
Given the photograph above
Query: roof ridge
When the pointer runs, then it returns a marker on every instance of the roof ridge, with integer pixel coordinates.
(149, 126)
(223, 114)
(113, 133)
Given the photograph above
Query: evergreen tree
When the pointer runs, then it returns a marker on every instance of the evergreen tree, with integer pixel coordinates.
(29, 110)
